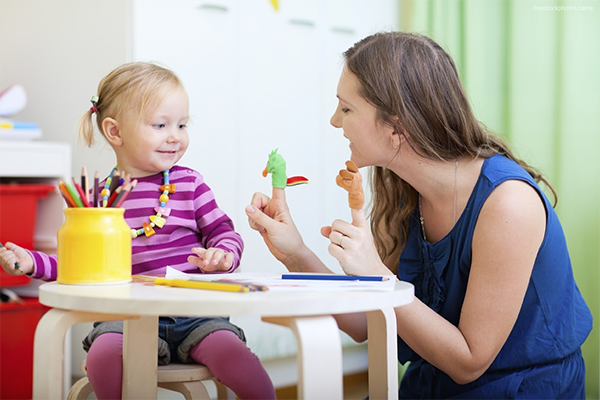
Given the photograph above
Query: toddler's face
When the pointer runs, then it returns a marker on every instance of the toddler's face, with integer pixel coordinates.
(161, 139)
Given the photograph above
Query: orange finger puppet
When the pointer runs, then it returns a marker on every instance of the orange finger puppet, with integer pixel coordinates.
(351, 180)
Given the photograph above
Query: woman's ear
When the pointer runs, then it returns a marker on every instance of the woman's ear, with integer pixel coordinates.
(399, 135)
(402, 136)
(112, 132)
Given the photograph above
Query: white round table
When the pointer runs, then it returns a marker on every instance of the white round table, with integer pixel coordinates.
(307, 313)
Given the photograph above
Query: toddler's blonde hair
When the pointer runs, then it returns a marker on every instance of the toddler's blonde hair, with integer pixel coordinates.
(137, 87)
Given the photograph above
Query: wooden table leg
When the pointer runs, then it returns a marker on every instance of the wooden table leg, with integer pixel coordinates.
(319, 355)
(383, 354)
(140, 354)
(49, 346)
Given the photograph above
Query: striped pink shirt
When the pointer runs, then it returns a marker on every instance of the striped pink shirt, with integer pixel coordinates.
(195, 221)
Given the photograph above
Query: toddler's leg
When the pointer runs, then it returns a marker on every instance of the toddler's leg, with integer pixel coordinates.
(234, 365)
(104, 366)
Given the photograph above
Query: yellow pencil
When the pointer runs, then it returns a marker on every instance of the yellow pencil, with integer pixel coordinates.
(224, 287)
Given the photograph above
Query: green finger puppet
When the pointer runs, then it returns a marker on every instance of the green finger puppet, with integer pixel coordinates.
(276, 167)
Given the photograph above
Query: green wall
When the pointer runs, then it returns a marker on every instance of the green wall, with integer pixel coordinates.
(532, 72)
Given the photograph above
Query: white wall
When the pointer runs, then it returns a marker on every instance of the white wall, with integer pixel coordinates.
(59, 50)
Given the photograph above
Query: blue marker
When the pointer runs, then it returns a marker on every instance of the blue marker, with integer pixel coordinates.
(334, 277)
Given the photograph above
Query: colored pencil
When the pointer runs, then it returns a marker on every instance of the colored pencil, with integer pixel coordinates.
(113, 196)
(124, 193)
(82, 194)
(220, 286)
(114, 183)
(334, 277)
(74, 195)
(252, 286)
(95, 189)
(85, 184)
(66, 194)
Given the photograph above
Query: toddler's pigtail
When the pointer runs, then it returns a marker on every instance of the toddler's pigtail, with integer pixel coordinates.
(85, 125)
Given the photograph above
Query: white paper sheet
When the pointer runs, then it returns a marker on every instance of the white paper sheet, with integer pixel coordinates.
(274, 281)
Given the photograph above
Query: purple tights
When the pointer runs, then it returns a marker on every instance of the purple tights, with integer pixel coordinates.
(227, 357)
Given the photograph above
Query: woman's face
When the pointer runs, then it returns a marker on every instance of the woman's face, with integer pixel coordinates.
(370, 141)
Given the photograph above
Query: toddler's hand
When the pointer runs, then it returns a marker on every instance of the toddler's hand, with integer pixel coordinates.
(11, 254)
(211, 259)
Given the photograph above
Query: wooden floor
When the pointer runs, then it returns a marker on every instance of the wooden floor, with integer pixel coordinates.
(356, 387)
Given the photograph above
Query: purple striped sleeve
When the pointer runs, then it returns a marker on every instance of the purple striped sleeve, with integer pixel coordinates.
(215, 226)
(44, 265)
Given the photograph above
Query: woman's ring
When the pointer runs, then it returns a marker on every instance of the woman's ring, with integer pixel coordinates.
(341, 239)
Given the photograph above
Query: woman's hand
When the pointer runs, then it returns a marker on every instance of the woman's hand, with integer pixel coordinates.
(211, 259)
(351, 180)
(12, 254)
(272, 219)
(353, 246)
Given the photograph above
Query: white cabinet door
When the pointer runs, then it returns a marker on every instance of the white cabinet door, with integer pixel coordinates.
(279, 104)
(197, 39)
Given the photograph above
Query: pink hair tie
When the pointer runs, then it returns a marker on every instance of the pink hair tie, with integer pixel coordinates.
(94, 101)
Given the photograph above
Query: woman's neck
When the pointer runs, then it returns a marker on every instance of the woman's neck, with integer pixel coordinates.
(444, 189)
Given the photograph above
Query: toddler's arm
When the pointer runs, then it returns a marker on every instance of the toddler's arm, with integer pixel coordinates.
(36, 264)
(15, 260)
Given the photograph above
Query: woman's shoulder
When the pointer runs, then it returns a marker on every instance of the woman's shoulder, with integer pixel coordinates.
(512, 188)
(514, 195)
(499, 168)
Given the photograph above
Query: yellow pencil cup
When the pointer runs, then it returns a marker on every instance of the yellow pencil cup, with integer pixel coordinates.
(94, 247)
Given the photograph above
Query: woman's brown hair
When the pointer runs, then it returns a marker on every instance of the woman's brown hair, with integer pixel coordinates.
(414, 85)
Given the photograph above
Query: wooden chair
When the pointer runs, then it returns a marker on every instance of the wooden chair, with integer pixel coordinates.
(183, 378)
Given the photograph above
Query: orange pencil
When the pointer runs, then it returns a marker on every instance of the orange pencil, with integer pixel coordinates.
(66, 195)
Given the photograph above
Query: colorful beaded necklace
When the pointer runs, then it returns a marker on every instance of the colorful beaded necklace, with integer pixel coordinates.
(162, 212)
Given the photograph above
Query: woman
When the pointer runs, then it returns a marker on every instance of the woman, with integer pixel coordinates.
(497, 312)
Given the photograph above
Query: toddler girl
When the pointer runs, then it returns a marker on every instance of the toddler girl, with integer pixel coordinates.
(142, 110)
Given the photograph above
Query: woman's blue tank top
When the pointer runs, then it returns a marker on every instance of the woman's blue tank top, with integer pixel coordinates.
(544, 345)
